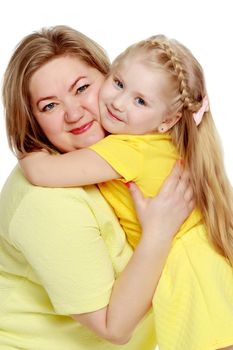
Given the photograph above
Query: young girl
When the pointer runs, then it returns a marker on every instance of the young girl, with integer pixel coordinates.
(155, 105)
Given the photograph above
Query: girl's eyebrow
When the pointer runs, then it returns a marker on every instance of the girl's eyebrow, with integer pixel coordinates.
(117, 73)
(145, 97)
(69, 90)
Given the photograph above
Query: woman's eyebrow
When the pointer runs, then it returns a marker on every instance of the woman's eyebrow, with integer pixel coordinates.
(44, 98)
(75, 82)
(69, 90)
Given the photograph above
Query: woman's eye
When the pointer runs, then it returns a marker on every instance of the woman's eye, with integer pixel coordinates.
(82, 88)
(140, 101)
(48, 107)
(118, 83)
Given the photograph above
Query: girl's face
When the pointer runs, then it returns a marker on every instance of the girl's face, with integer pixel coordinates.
(64, 98)
(132, 99)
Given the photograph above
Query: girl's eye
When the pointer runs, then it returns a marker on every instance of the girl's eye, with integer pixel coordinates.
(140, 101)
(48, 107)
(118, 83)
(82, 88)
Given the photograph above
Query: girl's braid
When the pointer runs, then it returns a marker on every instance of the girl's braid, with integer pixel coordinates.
(179, 70)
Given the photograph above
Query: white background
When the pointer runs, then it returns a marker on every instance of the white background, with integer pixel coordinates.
(206, 27)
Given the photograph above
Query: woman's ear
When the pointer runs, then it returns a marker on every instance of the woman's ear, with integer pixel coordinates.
(168, 123)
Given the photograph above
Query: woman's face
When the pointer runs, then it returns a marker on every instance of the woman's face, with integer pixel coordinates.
(64, 98)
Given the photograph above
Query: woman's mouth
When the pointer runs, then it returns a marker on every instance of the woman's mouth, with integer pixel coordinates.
(82, 128)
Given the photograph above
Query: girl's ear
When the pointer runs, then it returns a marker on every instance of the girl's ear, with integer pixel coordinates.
(168, 123)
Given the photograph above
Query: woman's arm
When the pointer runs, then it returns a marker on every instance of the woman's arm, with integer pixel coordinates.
(132, 294)
(57, 228)
(76, 168)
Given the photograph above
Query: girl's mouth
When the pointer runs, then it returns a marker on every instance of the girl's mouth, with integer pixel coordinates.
(113, 116)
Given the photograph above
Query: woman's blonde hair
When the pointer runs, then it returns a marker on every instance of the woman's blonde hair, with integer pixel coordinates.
(198, 146)
(36, 49)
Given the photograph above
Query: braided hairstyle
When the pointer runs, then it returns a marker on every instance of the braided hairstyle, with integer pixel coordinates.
(198, 146)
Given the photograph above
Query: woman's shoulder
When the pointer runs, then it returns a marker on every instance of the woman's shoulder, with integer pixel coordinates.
(17, 186)
(18, 193)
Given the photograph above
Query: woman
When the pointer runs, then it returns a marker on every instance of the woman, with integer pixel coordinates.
(62, 249)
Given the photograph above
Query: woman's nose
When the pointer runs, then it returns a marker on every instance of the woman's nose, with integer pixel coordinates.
(73, 112)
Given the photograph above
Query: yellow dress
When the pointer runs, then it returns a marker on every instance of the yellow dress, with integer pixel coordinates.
(193, 302)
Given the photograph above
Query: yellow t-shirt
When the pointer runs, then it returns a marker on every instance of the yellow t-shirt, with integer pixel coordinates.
(193, 302)
(60, 251)
(145, 159)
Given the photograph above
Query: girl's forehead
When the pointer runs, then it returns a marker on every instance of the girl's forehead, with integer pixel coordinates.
(140, 66)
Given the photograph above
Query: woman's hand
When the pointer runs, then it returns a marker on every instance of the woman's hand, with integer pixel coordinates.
(165, 213)
(133, 291)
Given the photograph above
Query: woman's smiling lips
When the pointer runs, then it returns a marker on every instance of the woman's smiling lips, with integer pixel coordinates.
(82, 128)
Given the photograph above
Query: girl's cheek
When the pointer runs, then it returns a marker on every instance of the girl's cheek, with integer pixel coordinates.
(92, 101)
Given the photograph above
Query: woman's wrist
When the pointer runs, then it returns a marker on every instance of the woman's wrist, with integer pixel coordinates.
(151, 237)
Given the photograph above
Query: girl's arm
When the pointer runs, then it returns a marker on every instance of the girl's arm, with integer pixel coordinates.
(132, 294)
(76, 168)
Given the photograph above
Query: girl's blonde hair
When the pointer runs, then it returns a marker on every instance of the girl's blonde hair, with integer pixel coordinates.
(36, 49)
(198, 146)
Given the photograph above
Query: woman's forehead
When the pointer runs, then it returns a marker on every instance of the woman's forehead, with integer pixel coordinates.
(60, 72)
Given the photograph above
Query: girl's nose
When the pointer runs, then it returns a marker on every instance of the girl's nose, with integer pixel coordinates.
(119, 103)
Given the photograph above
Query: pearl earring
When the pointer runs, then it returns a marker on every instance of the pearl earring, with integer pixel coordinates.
(161, 129)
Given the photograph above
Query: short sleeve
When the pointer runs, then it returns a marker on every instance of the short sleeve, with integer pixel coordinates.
(57, 232)
(122, 154)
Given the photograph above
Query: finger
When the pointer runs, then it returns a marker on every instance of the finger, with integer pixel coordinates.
(191, 205)
(185, 175)
(136, 195)
(172, 181)
(188, 195)
(184, 183)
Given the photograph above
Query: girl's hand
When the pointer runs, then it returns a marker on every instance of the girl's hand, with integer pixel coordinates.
(165, 213)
